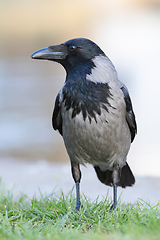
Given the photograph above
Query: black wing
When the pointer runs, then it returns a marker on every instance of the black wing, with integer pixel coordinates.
(130, 117)
(57, 117)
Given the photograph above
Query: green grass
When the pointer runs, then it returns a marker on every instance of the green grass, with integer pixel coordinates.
(52, 217)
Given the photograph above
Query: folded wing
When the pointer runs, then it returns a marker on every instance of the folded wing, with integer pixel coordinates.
(130, 117)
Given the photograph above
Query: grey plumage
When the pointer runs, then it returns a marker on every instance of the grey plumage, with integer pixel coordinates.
(93, 112)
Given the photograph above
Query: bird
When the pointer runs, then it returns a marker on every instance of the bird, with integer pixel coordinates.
(93, 112)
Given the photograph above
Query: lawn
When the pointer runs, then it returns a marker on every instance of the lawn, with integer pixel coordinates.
(52, 217)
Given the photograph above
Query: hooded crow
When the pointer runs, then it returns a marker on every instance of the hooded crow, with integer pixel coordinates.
(93, 113)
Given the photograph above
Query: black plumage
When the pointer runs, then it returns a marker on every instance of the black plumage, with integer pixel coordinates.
(130, 114)
(57, 117)
(89, 101)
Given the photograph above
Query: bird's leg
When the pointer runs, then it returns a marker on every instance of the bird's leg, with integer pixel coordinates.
(114, 205)
(115, 176)
(78, 202)
(76, 173)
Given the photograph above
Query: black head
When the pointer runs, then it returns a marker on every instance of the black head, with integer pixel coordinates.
(71, 53)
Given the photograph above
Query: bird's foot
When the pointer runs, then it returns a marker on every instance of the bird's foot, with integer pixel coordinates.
(113, 207)
(77, 208)
(78, 204)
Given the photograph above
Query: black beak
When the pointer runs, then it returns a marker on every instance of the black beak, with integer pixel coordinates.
(54, 53)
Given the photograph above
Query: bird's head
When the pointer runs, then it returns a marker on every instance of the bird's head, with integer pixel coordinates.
(81, 58)
(71, 53)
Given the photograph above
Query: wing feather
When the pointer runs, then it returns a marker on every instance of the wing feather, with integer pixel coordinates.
(130, 116)
(57, 117)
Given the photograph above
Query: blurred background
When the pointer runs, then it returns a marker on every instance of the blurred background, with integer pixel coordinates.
(32, 155)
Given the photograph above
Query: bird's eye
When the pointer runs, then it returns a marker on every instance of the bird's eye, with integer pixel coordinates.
(72, 48)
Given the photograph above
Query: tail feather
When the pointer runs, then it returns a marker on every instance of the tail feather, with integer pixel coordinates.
(126, 177)
(104, 177)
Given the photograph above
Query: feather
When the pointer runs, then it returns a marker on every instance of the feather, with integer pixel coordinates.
(130, 117)
(57, 117)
